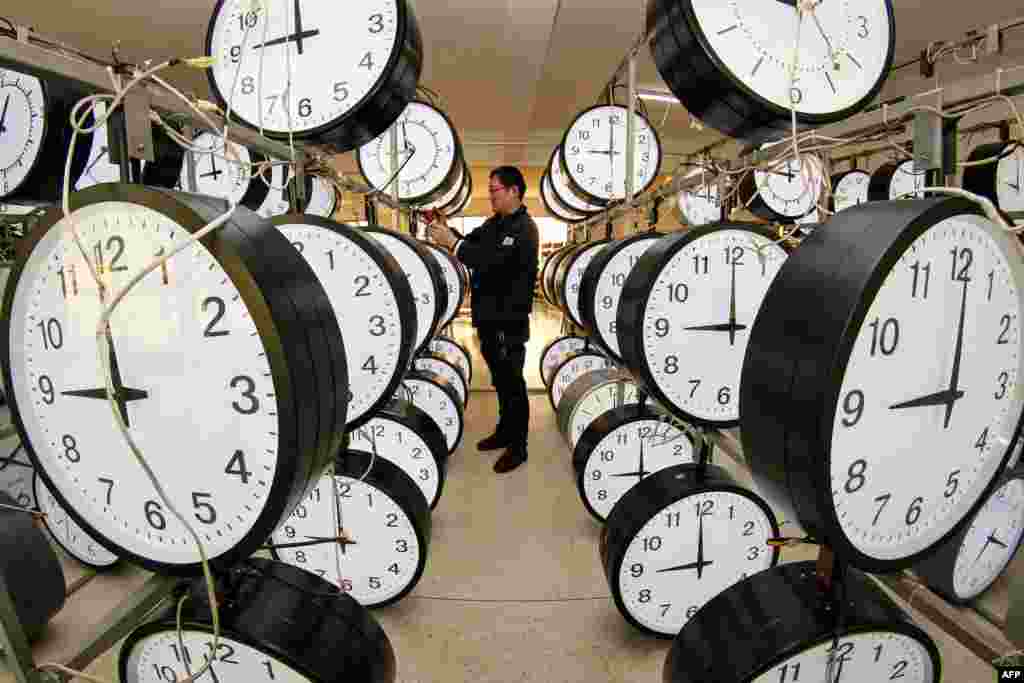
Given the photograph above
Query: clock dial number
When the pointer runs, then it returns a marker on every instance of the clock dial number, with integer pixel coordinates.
(886, 340)
(46, 386)
(248, 393)
(918, 270)
(853, 404)
(53, 335)
(218, 303)
(962, 260)
(154, 515)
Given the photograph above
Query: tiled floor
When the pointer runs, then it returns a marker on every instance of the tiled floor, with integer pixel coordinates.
(513, 590)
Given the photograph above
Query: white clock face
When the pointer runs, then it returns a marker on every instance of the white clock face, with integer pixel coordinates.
(16, 481)
(595, 152)
(574, 277)
(366, 307)
(852, 189)
(70, 536)
(215, 176)
(447, 370)
(22, 123)
(609, 290)
(426, 153)
(870, 656)
(455, 353)
(279, 34)
(792, 188)
(701, 205)
(705, 300)
(187, 350)
(1009, 173)
(420, 281)
(627, 454)
(385, 555)
(451, 194)
(405, 448)
(990, 541)
(452, 281)
(323, 200)
(560, 187)
(560, 212)
(99, 168)
(276, 202)
(843, 49)
(436, 403)
(572, 370)
(558, 352)
(596, 403)
(688, 553)
(931, 379)
(907, 181)
(159, 658)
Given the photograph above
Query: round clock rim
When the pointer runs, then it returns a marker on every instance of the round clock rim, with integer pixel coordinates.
(596, 380)
(765, 113)
(561, 270)
(551, 208)
(36, 483)
(577, 189)
(983, 180)
(585, 351)
(446, 319)
(634, 300)
(599, 246)
(556, 260)
(465, 194)
(391, 271)
(749, 194)
(407, 415)
(547, 349)
(623, 524)
(458, 373)
(556, 196)
(404, 16)
(443, 385)
(45, 116)
(293, 465)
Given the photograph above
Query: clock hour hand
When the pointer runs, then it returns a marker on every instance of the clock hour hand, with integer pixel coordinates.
(689, 565)
(295, 37)
(993, 539)
(1014, 186)
(103, 153)
(729, 327)
(939, 398)
(122, 395)
(791, 3)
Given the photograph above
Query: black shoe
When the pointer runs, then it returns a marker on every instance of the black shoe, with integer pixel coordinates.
(494, 442)
(511, 459)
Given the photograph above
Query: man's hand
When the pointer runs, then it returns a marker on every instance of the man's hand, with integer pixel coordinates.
(441, 233)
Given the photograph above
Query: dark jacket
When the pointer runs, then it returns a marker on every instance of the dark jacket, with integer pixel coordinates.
(502, 253)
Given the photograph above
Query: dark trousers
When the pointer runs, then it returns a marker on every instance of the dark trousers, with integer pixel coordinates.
(504, 350)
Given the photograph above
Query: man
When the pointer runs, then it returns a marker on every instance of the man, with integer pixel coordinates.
(502, 253)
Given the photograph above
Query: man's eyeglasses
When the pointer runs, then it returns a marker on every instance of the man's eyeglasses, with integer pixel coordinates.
(496, 190)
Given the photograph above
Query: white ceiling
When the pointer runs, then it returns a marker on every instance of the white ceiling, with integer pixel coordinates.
(512, 73)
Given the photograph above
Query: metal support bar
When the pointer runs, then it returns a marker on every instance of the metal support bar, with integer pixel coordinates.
(631, 130)
(190, 160)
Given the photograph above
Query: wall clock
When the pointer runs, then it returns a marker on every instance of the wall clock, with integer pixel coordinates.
(383, 521)
(787, 192)
(456, 353)
(822, 407)
(446, 366)
(438, 398)
(561, 192)
(547, 271)
(572, 269)
(69, 535)
(559, 271)
(99, 168)
(601, 289)
(1000, 181)
(424, 275)
(230, 181)
(462, 199)
(969, 562)
(408, 437)
(620, 448)
(730, 63)
(685, 315)
(461, 173)
(680, 537)
(593, 154)
(556, 351)
(589, 397)
(429, 156)
(314, 633)
(849, 188)
(553, 207)
(278, 50)
(699, 206)
(34, 136)
(216, 338)
(31, 570)
(572, 368)
(452, 283)
(371, 299)
(874, 641)
(895, 179)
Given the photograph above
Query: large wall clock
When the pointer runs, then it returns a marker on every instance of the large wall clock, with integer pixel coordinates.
(593, 154)
(272, 64)
(35, 132)
(883, 424)
(335, 639)
(214, 354)
(730, 63)
(429, 156)
(685, 315)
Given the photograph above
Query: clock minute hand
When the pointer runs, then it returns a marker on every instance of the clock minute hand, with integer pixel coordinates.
(954, 382)
(993, 539)
(732, 307)
(3, 116)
